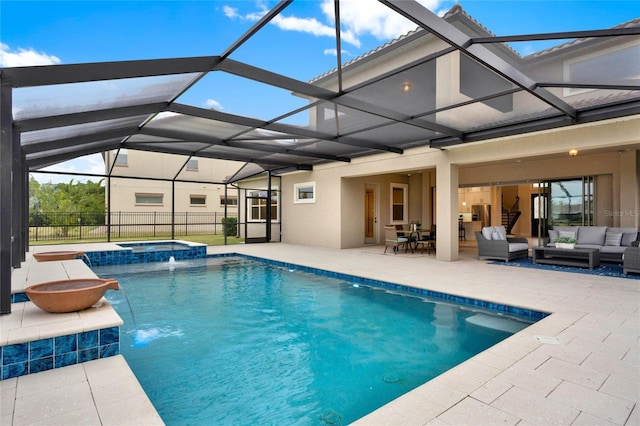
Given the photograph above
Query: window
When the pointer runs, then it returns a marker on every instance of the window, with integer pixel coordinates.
(121, 157)
(304, 192)
(571, 202)
(257, 201)
(198, 200)
(399, 201)
(149, 199)
(192, 164)
(598, 66)
(230, 201)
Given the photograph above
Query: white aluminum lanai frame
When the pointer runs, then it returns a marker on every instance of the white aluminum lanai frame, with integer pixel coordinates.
(145, 114)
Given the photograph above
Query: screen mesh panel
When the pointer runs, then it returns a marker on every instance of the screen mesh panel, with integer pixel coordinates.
(43, 101)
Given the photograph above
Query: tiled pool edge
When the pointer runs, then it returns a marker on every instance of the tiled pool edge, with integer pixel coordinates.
(127, 256)
(498, 307)
(20, 359)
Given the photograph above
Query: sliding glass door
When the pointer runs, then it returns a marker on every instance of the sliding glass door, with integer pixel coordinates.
(571, 202)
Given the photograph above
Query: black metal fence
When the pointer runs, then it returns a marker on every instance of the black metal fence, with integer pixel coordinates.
(55, 226)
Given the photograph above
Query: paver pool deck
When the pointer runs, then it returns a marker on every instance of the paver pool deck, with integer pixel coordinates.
(580, 365)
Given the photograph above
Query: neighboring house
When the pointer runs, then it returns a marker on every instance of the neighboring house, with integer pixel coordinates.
(345, 205)
(191, 192)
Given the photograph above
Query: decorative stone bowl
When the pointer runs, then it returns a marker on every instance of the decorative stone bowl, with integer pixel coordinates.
(48, 256)
(69, 295)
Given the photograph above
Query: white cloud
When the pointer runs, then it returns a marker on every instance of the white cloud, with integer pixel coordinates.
(357, 17)
(314, 27)
(292, 23)
(90, 164)
(165, 114)
(334, 52)
(230, 12)
(374, 18)
(24, 57)
(213, 104)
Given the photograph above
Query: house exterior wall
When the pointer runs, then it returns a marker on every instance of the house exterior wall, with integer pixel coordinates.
(513, 159)
(141, 164)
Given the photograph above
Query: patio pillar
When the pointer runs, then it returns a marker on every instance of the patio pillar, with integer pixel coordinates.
(447, 211)
(629, 214)
(17, 206)
(6, 197)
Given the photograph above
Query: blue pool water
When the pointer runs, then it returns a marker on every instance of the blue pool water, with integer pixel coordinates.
(155, 246)
(231, 341)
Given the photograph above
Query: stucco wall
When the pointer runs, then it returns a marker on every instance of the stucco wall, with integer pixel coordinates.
(337, 218)
(141, 164)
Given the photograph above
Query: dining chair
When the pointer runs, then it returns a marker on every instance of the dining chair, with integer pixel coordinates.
(391, 239)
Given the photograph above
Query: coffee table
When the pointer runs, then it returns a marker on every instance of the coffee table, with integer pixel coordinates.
(581, 257)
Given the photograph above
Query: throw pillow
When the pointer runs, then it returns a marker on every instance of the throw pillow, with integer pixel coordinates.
(628, 238)
(497, 236)
(487, 231)
(613, 239)
(502, 231)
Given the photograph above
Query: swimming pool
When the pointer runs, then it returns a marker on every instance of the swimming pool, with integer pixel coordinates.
(235, 341)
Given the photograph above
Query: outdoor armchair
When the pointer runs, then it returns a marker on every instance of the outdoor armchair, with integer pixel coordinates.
(494, 244)
(391, 239)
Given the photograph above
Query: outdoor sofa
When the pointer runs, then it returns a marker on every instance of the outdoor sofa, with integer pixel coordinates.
(611, 241)
(631, 259)
(493, 243)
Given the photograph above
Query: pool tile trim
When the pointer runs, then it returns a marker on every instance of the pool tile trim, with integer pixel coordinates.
(35, 356)
(524, 313)
(127, 255)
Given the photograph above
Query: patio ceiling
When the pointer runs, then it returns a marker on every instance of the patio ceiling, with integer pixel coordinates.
(66, 111)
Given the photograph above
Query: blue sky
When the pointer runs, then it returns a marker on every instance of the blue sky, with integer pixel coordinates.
(300, 43)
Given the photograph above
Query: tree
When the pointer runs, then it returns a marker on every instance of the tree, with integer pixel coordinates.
(80, 202)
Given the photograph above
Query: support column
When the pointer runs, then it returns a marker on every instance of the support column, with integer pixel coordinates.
(6, 196)
(17, 206)
(268, 238)
(173, 209)
(447, 211)
(25, 209)
(629, 213)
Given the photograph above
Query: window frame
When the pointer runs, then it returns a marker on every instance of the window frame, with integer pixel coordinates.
(121, 159)
(405, 203)
(149, 195)
(223, 201)
(190, 165)
(274, 205)
(296, 193)
(197, 196)
(567, 74)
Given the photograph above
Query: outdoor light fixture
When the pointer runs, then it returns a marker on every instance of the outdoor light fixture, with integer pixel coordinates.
(406, 87)
(573, 152)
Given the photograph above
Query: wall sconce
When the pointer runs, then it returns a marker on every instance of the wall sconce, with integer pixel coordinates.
(573, 152)
(405, 87)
